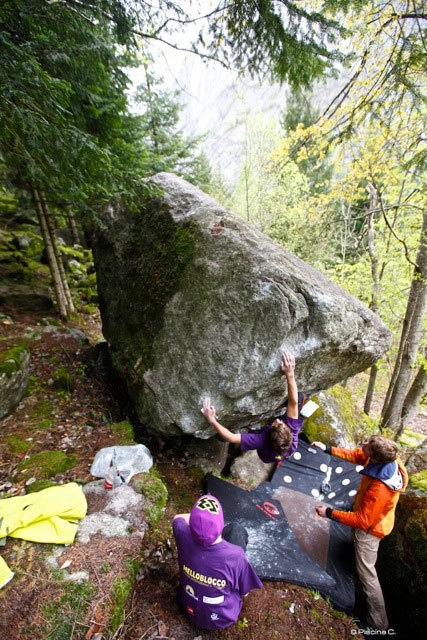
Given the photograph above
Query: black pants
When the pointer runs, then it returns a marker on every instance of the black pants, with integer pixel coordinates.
(236, 534)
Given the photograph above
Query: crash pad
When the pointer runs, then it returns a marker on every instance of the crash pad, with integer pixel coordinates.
(287, 540)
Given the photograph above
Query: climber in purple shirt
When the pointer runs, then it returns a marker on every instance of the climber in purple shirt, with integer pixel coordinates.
(214, 573)
(279, 438)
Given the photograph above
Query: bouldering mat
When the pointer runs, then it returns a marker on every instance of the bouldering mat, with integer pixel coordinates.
(287, 540)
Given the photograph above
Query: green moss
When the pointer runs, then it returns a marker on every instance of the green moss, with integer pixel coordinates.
(33, 385)
(39, 485)
(16, 445)
(42, 410)
(357, 425)
(123, 432)
(75, 252)
(10, 360)
(44, 424)
(318, 427)
(157, 255)
(339, 615)
(63, 380)
(346, 406)
(410, 439)
(47, 464)
(316, 615)
(152, 487)
(89, 309)
(120, 591)
(419, 480)
(64, 615)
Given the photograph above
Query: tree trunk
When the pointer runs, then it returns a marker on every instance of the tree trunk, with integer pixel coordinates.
(410, 338)
(413, 397)
(373, 204)
(53, 267)
(58, 257)
(373, 372)
(72, 224)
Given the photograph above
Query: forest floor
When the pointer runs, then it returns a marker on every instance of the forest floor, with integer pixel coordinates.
(79, 423)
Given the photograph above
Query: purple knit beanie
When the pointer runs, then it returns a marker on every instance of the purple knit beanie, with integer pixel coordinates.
(206, 520)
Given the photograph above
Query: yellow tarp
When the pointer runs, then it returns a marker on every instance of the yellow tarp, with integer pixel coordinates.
(50, 515)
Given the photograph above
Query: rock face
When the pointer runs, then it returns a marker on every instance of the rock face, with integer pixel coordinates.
(195, 303)
(14, 375)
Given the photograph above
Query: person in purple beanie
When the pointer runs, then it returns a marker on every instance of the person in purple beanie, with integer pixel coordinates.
(278, 439)
(214, 573)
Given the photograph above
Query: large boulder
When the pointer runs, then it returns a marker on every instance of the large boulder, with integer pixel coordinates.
(195, 302)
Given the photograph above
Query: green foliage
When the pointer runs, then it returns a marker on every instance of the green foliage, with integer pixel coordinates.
(33, 385)
(300, 111)
(317, 427)
(169, 149)
(8, 202)
(20, 252)
(243, 623)
(287, 43)
(64, 95)
(88, 309)
(262, 187)
(105, 567)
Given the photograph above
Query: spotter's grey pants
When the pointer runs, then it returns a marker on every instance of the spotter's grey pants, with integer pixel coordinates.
(366, 548)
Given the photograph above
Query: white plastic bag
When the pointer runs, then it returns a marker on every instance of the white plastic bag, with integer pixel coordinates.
(129, 460)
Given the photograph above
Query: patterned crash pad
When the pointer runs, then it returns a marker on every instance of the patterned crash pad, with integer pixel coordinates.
(287, 540)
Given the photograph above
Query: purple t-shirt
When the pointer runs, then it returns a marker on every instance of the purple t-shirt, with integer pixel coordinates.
(212, 579)
(259, 440)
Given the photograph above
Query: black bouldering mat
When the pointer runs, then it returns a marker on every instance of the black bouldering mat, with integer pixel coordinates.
(287, 540)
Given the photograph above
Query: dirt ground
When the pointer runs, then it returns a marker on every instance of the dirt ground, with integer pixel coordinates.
(79, 423)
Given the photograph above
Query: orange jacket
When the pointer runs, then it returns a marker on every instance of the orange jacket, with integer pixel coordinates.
(375, 503)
